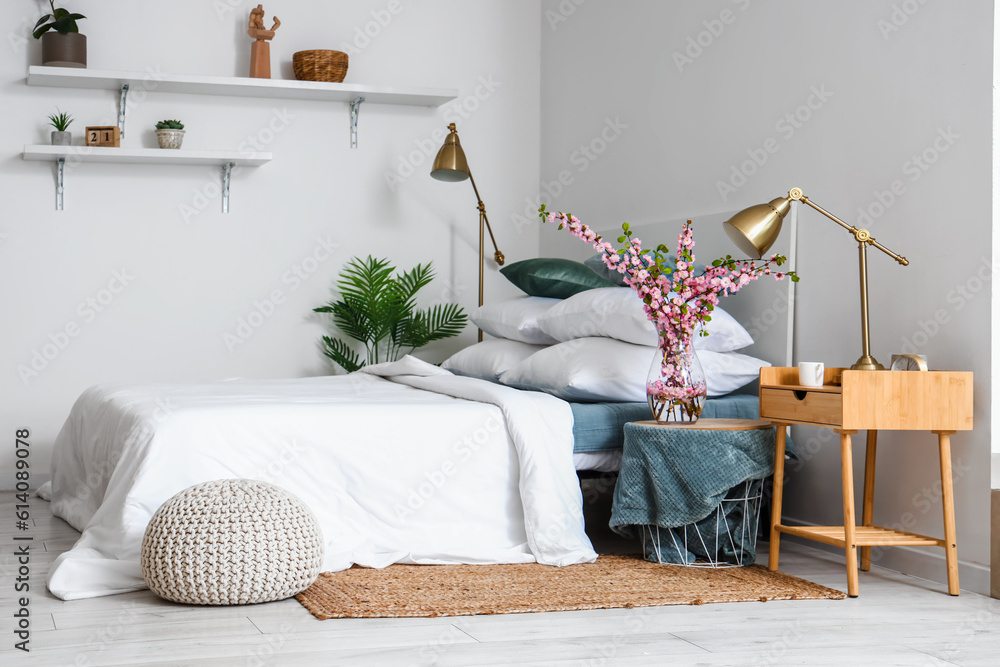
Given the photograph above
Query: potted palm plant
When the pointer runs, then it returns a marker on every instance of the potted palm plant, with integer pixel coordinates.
(170, 133)
(61, 122)
(62, 43)
(378, 308)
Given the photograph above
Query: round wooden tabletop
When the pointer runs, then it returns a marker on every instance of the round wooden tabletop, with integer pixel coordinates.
(713, 424)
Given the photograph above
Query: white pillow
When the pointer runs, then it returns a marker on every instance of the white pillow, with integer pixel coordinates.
(604, 369)
(489, 359)
(516, 319)
(617, 312)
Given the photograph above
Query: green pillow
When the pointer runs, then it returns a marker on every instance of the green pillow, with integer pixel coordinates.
(597, 265)
(553, 278)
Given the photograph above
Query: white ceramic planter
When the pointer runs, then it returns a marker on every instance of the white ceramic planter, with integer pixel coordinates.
(170, 138)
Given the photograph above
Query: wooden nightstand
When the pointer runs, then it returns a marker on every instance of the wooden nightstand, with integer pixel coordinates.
(936, 401)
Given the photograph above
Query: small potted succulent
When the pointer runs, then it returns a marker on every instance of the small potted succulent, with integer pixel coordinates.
(64, 46)
(61, 122)
(170, 133)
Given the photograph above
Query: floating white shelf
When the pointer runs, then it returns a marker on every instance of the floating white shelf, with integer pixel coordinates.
(142, 156)
(122, 82)
(353, 94)
(65, 77)
(63, 154)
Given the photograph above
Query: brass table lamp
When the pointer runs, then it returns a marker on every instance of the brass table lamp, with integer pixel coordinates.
(451, 166)
(754, 230)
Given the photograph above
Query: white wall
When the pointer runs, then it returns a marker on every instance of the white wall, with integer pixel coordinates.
(995, 412)
(191, 280)
(884, 86)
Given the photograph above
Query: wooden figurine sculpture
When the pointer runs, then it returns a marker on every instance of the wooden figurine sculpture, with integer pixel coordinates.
(260, 50)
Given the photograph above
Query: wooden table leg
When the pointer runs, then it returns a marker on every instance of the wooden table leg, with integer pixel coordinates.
(948, 503)
(847, 479)
(777, 488)
(868, 500)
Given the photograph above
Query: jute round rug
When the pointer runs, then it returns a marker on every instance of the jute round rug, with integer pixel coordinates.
(612, 582)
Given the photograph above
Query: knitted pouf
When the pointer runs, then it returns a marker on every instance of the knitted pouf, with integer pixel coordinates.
(231, 541)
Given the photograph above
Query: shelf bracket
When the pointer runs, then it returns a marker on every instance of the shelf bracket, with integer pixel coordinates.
(60, 182)
(227, 178)
(122, 102)
(355, 108)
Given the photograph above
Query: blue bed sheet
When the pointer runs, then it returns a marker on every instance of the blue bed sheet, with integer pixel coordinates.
(599, 427)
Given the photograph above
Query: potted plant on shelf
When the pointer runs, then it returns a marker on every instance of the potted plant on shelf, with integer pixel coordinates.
(62, 43)
(61, 122)
(170, 133)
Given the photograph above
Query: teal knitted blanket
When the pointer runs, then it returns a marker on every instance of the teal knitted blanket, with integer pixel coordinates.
(671, 478)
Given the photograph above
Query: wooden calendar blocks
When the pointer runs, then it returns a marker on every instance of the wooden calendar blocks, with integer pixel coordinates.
(107, 136)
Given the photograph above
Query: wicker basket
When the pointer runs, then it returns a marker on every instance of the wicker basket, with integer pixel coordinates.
(330, 66)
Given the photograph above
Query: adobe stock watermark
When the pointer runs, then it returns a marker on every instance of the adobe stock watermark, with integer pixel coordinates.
(98, 474)
(914, 169)
(18, 37)
(450, 293)
(899, 16)
(562, 12)
(958, 298)
(434, 480)
(760, 324)
(425, 149)
(776, 650)
(637, 618)
(277, 467)
(581, 159)
(696, 45)
(138, 93)
(926, 499)
(268, 305)
(433, 649)
(42, 356)
(223, 8)
(251, 147)
(786, 126)
(267, 653)
(364, 35)
(104, 638)
(985, 620)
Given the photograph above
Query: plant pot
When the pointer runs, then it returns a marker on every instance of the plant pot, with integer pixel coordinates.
(170, 138)
(64, 50)
(62, 138)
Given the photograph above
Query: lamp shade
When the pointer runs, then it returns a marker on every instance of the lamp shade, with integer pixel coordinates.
(754, 230)
(450, 164)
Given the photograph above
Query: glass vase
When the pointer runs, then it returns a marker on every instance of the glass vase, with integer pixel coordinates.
(675, 387)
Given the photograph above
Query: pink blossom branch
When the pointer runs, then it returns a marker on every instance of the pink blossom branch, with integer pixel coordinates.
(676, 301)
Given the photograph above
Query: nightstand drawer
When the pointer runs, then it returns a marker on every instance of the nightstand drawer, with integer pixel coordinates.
(807, 407)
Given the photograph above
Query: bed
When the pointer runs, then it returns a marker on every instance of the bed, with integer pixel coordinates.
(484, 474)
(598, 428)
(405, 462)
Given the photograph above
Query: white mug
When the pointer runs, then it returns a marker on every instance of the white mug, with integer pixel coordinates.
(810, 374)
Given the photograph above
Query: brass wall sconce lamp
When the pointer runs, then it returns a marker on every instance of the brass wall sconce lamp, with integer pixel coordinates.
(451, 166)
(754, 230)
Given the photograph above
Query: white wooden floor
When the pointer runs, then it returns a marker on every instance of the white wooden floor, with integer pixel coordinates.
(897, 620)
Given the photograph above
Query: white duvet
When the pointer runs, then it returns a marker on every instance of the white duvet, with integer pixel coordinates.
(418, 466)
